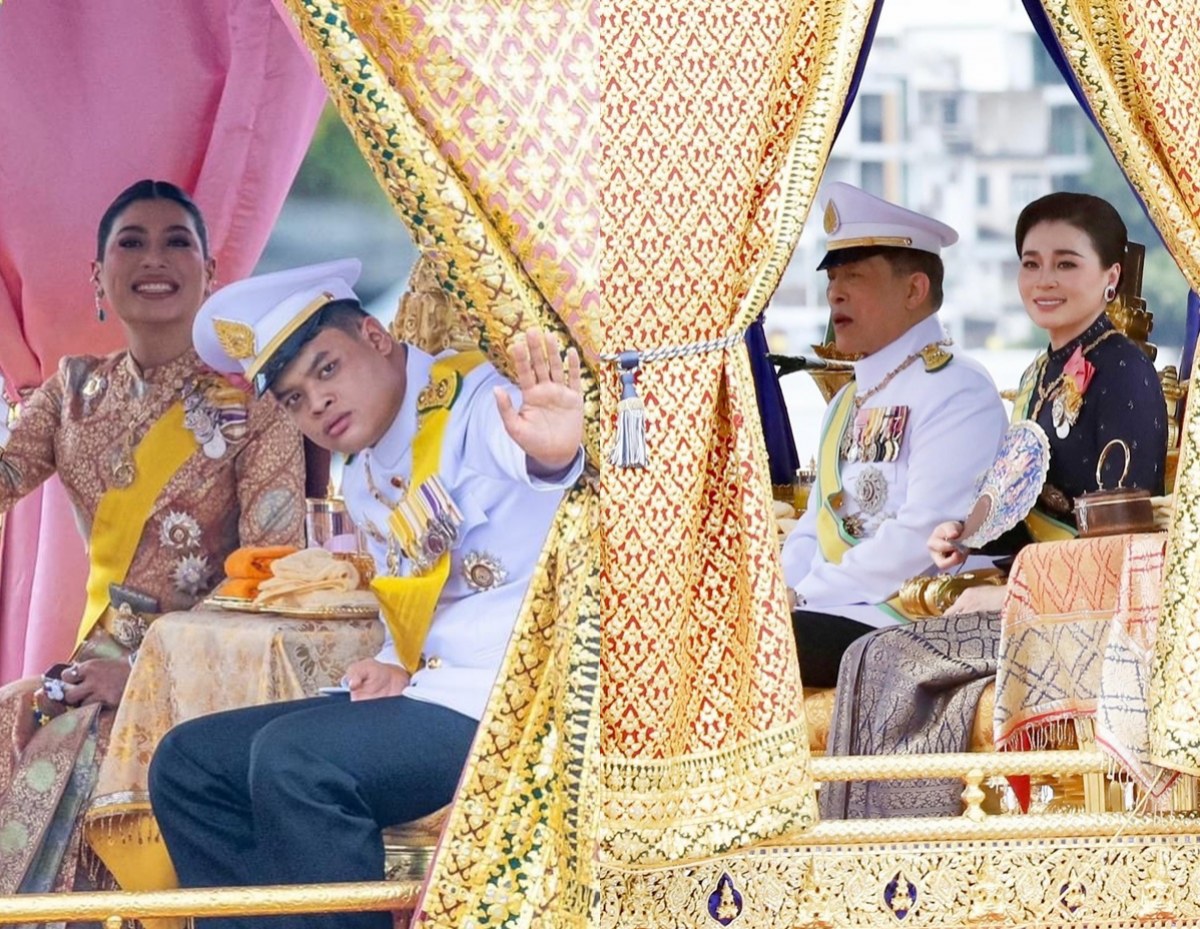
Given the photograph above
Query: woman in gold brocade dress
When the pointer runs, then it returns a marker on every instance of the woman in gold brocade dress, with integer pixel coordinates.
(915, 688)
(169, 467)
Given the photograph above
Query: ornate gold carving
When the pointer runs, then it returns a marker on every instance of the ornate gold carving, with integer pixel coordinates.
(973, 796)
(236, 338)
(924, 595)
(1049, 882)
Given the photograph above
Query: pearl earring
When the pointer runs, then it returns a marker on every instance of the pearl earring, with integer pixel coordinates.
(100, 314)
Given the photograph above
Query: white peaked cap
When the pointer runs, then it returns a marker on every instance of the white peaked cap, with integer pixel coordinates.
(857, 219)
(244, 324)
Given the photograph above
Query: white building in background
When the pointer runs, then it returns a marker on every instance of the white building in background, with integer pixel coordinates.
(965, 121)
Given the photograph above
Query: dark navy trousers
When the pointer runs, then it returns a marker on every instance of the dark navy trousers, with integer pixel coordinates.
(297, 793)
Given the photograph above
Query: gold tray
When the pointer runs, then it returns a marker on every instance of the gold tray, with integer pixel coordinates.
(347, 611)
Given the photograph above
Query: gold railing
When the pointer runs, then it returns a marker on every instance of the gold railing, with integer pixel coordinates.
(111, 908)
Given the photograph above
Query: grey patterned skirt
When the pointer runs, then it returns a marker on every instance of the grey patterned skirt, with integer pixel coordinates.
(908, 690)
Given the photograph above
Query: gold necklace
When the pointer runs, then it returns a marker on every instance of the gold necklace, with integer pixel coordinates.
(862, 398)
(120, 457)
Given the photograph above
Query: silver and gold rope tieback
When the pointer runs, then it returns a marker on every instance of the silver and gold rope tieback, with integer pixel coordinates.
(629, 449)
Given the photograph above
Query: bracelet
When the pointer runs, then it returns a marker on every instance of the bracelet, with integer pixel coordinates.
(40, 716)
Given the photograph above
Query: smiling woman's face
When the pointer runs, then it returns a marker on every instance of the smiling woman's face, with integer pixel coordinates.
(154, 272)
(1062, 280)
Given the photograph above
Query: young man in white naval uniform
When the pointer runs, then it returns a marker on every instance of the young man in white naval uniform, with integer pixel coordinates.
(901, 447)
(298, 792)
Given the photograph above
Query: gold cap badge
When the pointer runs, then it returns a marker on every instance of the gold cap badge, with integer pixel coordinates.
(236, 338)
(832, 221)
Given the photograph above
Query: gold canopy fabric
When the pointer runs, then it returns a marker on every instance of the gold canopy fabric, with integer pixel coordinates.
(717, 121)
(483, 121)
(1137, 65)
(479, 120)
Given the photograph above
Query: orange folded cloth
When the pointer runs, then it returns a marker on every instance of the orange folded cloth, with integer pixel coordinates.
(255, 563)
(243, 588)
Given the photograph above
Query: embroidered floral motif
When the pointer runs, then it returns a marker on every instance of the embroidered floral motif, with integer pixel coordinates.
(179, 531)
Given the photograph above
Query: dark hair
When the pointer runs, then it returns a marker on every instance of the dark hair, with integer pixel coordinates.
(149, 190)
(915, 261)
(346, 315)
(1094, 217)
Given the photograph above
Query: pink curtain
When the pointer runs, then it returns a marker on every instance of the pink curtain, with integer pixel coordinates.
(214, 95)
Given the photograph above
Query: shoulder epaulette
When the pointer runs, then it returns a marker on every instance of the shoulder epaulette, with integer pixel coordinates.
(935, 357)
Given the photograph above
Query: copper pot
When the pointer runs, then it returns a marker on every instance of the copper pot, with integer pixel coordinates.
(1119, 511)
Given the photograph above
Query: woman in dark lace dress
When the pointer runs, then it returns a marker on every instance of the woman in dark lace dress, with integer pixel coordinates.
(911, 689)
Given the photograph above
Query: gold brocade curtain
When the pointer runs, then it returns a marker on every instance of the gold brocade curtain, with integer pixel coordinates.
(1136, 63)
(717, 121)
(480, 120)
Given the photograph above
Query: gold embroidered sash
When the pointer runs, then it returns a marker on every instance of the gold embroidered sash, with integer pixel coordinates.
(122, 512)
(832, 538)
(408, 603)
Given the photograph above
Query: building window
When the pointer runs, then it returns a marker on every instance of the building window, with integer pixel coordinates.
(1066, 182)
(1066, 131)
(872, 177)
(950, 111)
(1045, 71)
(983, 194)
(871, 117)
(1023, 189)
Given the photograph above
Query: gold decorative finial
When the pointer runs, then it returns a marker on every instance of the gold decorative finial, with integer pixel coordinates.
(237, 338)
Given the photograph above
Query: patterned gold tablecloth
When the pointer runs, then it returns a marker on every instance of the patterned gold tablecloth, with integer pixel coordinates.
(1077, 643)
(202, 662)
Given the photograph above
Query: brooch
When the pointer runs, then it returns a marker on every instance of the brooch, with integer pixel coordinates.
(871, 490)
(179, 531)
(482, 571)
(191, 574)
(126, 627)
(95, 385)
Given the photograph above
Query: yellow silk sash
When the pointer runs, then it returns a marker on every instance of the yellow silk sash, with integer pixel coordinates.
(408, 603)
(832, 538)
(1042, 526)
(129, 845)
(122, 512)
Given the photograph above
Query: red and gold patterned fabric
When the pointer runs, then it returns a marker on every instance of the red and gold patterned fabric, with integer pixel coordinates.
(1137, 66)
(717, 120)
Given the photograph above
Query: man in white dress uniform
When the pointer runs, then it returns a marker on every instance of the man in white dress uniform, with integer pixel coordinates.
(902, 447)
(455, 477)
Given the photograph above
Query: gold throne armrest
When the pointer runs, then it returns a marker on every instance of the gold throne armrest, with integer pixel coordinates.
(927, 595)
